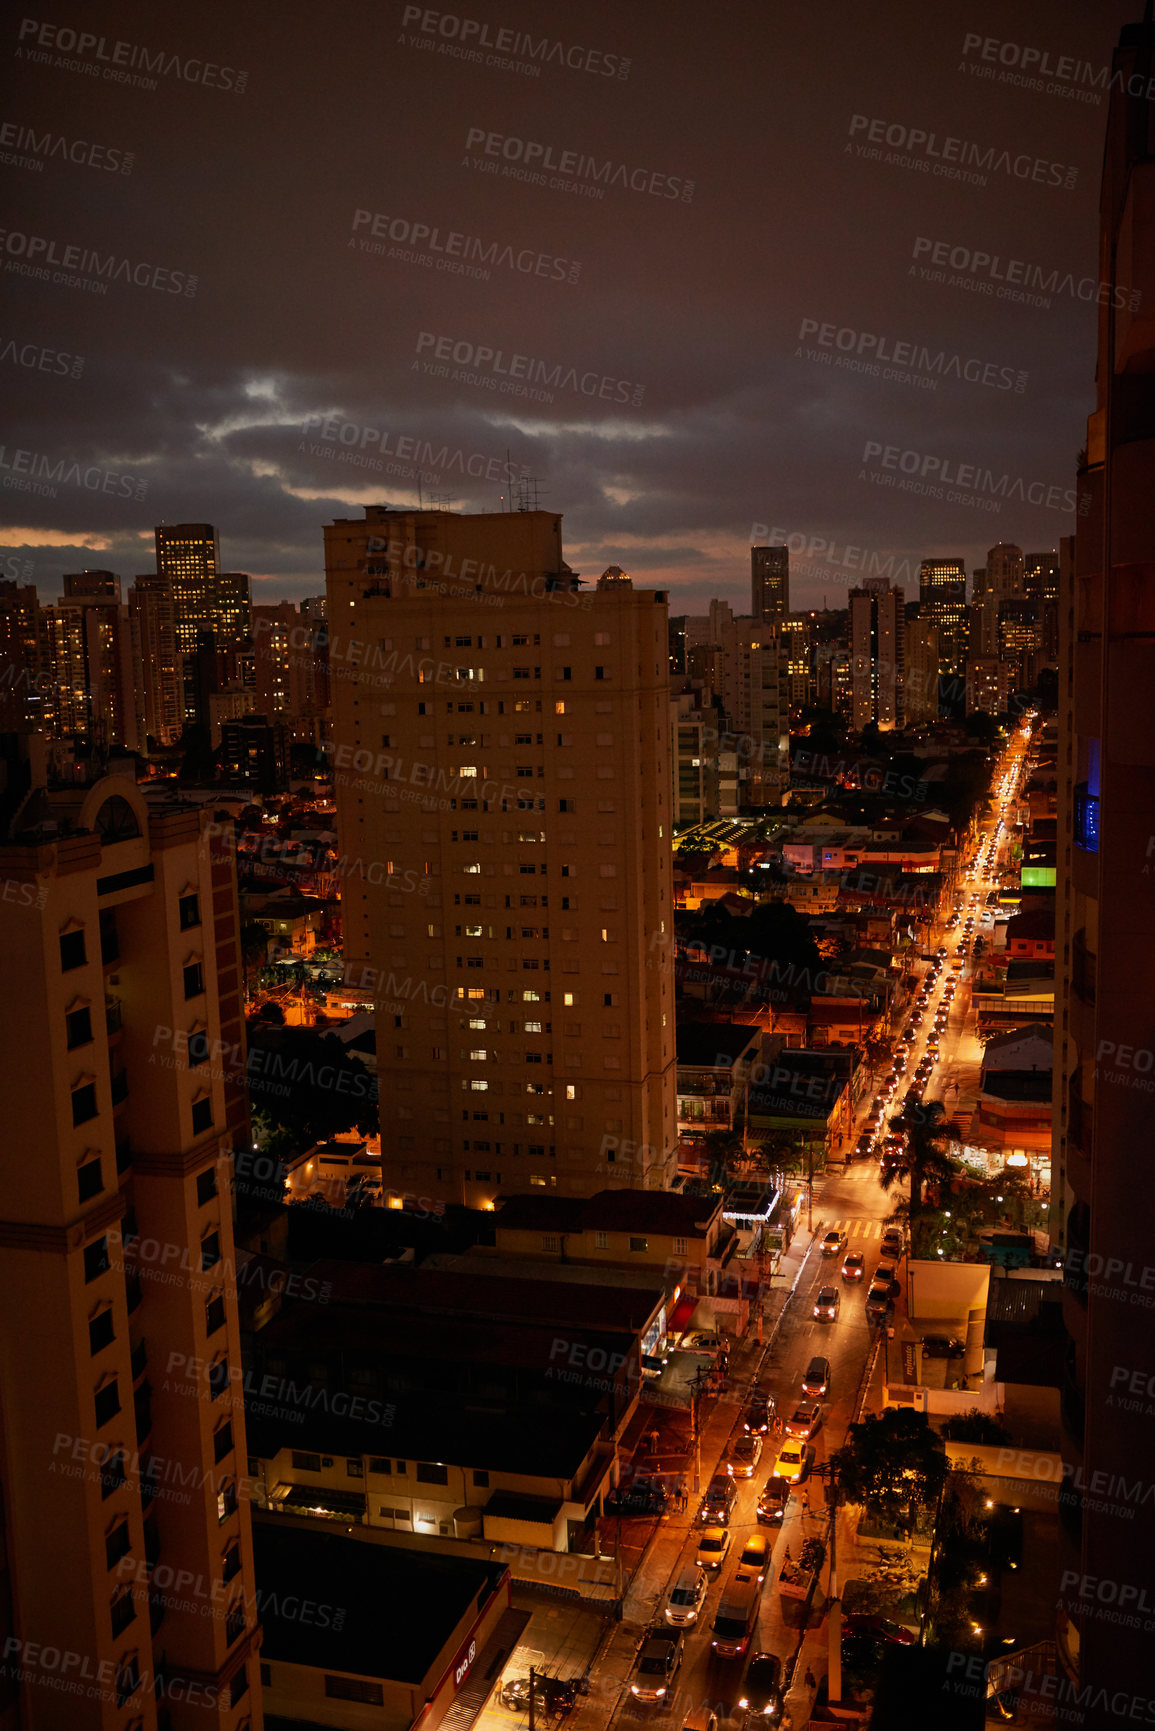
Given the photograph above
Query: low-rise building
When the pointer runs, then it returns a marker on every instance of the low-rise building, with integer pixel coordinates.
(377, 1636)
(714, 1060)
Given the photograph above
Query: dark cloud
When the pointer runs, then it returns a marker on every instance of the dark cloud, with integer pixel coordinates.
(692, 316)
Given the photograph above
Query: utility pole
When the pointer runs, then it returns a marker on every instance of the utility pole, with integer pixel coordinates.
(834, 1652)
(531, 1683)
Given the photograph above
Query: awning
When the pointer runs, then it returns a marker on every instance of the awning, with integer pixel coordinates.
(683, 1311)
(308, 1498)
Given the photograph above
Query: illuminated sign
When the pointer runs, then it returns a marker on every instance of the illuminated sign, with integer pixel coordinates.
(464, 1663)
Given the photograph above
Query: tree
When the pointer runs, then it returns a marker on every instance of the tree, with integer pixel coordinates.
(924, 1159)
(308, 1084)
(254, 946)
(892, 1463)
(975, 1426)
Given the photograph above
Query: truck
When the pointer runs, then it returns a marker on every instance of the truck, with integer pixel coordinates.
(798, 1575)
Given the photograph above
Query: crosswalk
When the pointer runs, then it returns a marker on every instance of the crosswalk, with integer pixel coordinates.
(858, 1228)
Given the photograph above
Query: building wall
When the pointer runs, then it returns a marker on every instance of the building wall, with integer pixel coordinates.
(152, 1206)
(555, 821)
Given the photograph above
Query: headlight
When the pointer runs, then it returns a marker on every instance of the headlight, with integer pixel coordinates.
(743, 1702)
(660, 1691)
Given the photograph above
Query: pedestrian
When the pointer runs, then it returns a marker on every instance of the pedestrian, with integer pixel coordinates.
(806, 1502)
(655, 1439)
(811, 1683)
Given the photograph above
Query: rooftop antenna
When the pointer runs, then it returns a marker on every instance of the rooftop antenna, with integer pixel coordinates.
(527, 493)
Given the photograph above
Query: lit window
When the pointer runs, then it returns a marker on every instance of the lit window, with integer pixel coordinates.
(477, 1054)
(478, 1087)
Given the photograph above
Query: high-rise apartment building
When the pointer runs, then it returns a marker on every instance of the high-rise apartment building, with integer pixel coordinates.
(1021, 640)
(1041, 587)
(877, 631)
(799, 686)
(769, 583)
(1005, 571)
(151, 607)
(21, 698)
(988, 685)
(501, 752)
(757, 712)
(942, 598)
(920, 685)
(1105, 945)
(122, 1449)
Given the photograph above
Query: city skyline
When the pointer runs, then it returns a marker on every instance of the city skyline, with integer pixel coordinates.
(683, 429)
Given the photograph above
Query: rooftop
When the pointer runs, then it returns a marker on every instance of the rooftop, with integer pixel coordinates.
(715, 1045)
(391, 1611)
(662, 1212)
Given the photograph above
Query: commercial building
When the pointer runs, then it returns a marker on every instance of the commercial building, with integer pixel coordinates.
(942, 601)
(210, 606)
(1105, 927)
(769, 583)
(378, 1636)
(877, 654)
(501, 752)
(116, 1256)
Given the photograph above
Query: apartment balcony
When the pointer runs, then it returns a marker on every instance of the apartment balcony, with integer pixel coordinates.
(704, 1088)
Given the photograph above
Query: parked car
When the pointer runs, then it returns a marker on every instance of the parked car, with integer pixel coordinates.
(705, 1343)
(714, 1547)
(686, 1596)
(816, 1377)
(772, 1502)
(854, 1266)
(640, 1496)
(834, 1241)
(659, 1657)
(793, 1461)
(884, 1275)
(761, 1697)
(882, 1628)
(942, 1346)
(701, 1718)
(804, 1420)
(892, 1241)
(826, 1304)
(743, 1456)
(755, 1558)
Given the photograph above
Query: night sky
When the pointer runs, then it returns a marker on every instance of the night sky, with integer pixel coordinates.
(676, 320)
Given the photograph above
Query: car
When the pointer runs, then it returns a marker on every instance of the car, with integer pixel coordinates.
(883, 1275)
(804, 1421)
(714, 1547)
(881, 1628)
(772, 1502)
(659, 1657)
(705, 1343)
(793, 1463)
(759, 1414)
(892, 1241)
(854, 1266)
(700, 1718)
(816, 1377)
(826, 1304)
(834, 1241)
(941, 951)
(641, 1496)
(761, 1697)
(865, 1143)
(942, 1346)
(743, 1456)
(686, 1596)
(718, 1501)
(754, 1559)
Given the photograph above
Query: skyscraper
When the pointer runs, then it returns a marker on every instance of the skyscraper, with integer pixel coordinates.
(877, 633)
(151, 606)
(211, 607)
(1105, 942)
(501, 751)
(769, 583)
(754, 670)
(1005, 571)
(122, 1453)
(942, 597)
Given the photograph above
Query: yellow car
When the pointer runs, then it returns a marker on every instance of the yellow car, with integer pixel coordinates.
(793, 1462)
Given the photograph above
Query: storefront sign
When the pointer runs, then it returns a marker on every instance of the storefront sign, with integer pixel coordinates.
(464, 1663)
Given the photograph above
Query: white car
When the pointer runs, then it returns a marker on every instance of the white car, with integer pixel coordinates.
(686, 1597)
